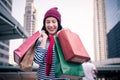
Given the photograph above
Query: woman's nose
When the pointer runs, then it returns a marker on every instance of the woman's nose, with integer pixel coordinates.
(51, 24)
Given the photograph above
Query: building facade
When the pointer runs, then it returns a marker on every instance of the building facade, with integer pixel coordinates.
(30, 17)
(112, 8)
(4, 52)
(4, 44)
(7, 4)
(114, 41)
(100, 42)
(113, 27)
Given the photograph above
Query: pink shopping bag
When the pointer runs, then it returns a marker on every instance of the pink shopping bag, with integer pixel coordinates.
(22, 49)
(72, 47)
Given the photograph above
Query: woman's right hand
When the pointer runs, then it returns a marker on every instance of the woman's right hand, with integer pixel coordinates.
(44, 35)
(44, 39)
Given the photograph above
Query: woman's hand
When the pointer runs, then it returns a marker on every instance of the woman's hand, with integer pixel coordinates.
(44, 39)
(44, 35)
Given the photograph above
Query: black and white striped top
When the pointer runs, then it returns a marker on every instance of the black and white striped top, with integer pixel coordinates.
(40, 58)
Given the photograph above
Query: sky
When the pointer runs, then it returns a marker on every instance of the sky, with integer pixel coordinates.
(77, 15)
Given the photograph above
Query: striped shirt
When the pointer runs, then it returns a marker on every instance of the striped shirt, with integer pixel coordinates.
(40, 58)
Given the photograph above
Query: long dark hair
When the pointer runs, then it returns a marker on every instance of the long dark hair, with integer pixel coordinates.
(44, 28)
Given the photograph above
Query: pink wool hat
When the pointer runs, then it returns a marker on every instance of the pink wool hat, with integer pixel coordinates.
(53, 13)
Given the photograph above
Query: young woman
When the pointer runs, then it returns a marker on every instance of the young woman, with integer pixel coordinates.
(44, 52)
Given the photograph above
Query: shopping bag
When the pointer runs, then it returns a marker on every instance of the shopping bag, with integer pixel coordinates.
(72, 47)
(22, 49)
(27, 61)
(64, 69)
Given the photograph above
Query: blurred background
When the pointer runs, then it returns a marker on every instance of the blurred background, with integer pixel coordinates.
(97, 22)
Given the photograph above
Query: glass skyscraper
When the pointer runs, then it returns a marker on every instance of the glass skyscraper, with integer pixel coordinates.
(112, 8)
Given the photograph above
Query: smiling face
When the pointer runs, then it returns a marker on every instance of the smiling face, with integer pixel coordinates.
(51, 25)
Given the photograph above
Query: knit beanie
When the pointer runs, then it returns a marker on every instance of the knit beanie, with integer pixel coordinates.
(53, 13)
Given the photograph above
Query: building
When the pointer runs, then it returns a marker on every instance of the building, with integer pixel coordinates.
(114, 41)
(9, 29)
(113, 27)
(112, 8)
(4, 44)
(4, 52)
(30, 17)
(100, 41)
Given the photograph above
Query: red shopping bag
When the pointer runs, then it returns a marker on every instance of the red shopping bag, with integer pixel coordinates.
(72, 47)
(22, 49)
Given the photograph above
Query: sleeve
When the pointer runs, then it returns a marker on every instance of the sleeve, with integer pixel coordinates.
(94, 67)
(39, 54)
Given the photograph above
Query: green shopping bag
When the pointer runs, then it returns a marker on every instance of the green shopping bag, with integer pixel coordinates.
(63, 68)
